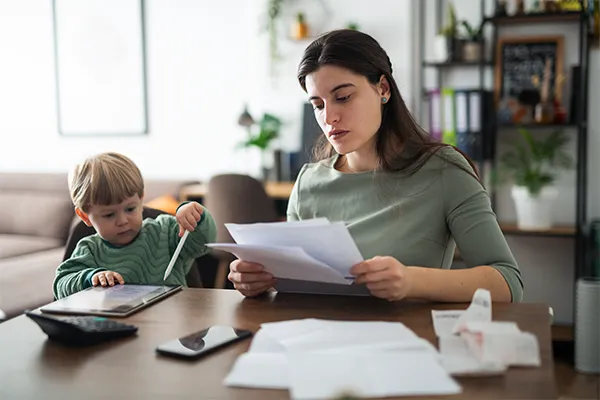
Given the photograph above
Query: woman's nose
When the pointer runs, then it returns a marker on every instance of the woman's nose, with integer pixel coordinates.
(332, 114)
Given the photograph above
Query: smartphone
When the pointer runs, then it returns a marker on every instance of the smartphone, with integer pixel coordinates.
(203, 342)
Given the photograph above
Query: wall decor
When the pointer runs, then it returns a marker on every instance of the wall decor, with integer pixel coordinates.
(100, 67)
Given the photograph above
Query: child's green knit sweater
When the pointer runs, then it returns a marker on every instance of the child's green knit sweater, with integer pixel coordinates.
(143, 261)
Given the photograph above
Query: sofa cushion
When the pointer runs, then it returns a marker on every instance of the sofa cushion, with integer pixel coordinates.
(17, 245)
(26, 282)
(44, 214)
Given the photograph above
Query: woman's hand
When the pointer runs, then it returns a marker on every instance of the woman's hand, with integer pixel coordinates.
(250, 279)
(385, 277)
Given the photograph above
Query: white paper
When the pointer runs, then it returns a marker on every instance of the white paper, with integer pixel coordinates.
(457, 359)
(480, 309)
(282, 330)
(444, 321)
(259, 370)
(348, 334)
(509, 348)
(285, 262)
(279, 347)
(262, 342)
(330, 243)
(471, 343)
(323, 376)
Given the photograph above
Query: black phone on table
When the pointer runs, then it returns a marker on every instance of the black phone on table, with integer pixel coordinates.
(203, 342)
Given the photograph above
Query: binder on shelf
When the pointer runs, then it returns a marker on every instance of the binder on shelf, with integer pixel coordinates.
(435, 112)
(463, 133)
(474, 116)
(448, 116)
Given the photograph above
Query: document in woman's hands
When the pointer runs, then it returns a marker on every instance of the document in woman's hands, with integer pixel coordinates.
(310, 250)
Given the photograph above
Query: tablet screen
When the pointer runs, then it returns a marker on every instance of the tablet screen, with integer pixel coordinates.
(115, 299)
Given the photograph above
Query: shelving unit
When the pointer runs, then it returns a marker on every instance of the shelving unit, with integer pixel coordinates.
(489, 137)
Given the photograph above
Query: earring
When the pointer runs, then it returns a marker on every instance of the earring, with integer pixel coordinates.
(384, 100)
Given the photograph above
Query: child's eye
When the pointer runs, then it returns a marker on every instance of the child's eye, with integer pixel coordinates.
(130, 209)
(108, 215)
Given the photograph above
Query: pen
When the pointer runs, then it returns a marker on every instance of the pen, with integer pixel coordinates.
(175, 255)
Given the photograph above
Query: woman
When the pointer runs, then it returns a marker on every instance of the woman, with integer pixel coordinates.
(406, 199)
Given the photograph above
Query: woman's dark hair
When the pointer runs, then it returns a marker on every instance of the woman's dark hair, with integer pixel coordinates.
(401, 144)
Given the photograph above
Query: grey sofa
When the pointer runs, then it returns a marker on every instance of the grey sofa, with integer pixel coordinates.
(36, 216)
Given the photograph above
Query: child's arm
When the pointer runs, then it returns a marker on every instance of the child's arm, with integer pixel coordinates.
(75, 274)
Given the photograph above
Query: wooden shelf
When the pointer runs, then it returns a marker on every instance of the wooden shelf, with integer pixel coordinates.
(532, 18)
(456, 64)
(536, 126)
(557, 231)
(562, 333)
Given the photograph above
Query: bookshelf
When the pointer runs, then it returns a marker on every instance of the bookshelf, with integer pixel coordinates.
(578, 231)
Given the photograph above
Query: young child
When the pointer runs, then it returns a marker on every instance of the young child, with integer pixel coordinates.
(107, 191)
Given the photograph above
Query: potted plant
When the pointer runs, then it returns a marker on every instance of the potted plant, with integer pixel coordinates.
(273, 14)
(533, 165)
(268, 130)
(300, 27)
(446, 40)
(472, 48)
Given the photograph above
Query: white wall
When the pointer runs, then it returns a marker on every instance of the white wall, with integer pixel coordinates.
(205, 59)
(547, 264)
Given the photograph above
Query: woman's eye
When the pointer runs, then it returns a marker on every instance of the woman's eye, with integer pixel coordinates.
(318, 107)
(343, 98)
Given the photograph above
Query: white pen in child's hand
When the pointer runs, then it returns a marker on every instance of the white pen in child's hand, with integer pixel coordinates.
(176, 254)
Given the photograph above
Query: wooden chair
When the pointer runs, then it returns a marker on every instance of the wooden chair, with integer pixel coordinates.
(240, 199)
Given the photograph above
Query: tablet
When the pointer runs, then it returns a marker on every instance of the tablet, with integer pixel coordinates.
(111, 301)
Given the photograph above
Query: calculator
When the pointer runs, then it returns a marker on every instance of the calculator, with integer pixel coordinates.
(81, 330)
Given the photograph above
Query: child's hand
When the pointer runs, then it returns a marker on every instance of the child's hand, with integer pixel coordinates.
(188, 217)
(107, 278)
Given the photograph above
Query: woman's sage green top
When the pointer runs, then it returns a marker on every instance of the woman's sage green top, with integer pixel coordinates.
(418, 219)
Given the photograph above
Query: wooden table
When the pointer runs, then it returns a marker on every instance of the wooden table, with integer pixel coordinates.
(276, 190)
(33, 367)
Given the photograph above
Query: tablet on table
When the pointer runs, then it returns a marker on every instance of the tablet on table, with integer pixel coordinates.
(111, 301)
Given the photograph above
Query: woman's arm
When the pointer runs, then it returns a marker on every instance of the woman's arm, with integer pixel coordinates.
(446, 285)
(388, 278)
(483, 247)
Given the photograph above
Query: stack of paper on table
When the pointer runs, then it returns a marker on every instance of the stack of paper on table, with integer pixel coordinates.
(320, 359)
(310, 250)
(472, 344)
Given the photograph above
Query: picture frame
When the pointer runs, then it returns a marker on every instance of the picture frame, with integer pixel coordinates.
(100, 67)
(519, 58)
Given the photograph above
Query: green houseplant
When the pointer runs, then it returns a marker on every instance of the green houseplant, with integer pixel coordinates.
(261, 139)
(448, 35)
(273, 14)
(472, 46)
(534, 164)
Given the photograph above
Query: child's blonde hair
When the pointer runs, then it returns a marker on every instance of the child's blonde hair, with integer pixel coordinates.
(104, 179)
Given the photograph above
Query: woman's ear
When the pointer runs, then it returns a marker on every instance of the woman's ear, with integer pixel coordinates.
(383, 86)
(83, 216)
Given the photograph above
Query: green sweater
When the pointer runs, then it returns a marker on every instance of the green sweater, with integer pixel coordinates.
(417, 219)
(143, 261)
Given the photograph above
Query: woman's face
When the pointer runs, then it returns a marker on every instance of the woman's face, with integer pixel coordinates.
(347, 107)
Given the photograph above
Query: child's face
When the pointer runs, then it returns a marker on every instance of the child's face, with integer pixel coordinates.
(118, 224)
